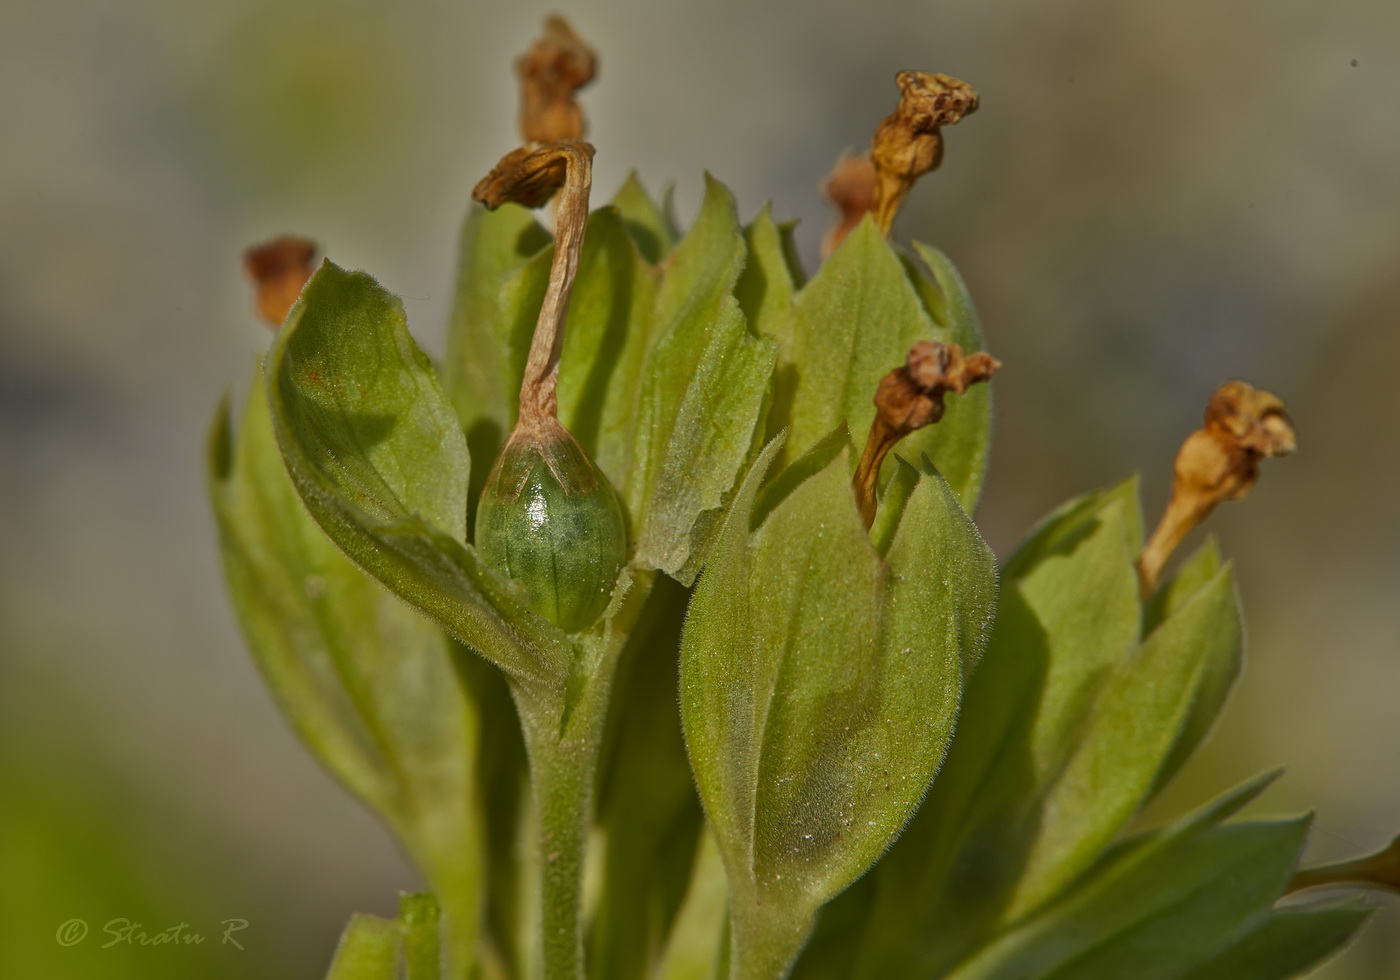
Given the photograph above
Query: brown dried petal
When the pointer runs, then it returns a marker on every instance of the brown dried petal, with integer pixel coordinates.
(279, 268)
(931, 100)
(554, 68)
(1256, 419)
(851, 188)
(529, 175)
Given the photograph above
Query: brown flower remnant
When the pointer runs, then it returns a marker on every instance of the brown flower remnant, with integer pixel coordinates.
(1217, 462)
(851, 188)
(1378, 870)
(908, 143)
(530, 176)
(555, 67)
(279, 268)
(909, 398)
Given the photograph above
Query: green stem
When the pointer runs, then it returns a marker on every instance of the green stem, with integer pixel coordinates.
(561, 776)
(563, 739)
(563, 768)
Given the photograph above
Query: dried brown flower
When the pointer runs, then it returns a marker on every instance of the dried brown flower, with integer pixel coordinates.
(279, 268)
(555, 67)
(1217, 462)
(530, 176)
(908, 143)
(850, 187)
(909, 398)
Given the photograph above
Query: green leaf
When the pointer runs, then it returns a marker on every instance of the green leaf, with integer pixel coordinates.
(1134, 725)
(484, 339)
(1287, 942)
(819, 686)
(765, 291)
(702, 391)
(1164, 904)
(378, 457)
(792, 476)
(649, 226)
(718, 718)
(767, 285)
(1059, 529)
(1068, 615)
(366, 681)
(369, 950)
(814, 600)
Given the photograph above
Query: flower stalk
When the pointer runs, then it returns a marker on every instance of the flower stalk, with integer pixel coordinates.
(850, 188)
(1378, 870)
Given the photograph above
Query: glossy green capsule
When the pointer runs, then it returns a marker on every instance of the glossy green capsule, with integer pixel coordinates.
(550, 518)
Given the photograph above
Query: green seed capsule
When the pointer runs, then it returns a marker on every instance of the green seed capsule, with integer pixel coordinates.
(549, 518)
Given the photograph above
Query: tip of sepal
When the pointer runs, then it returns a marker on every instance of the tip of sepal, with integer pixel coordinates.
(1231, 802)
(794, 474)
(218, 441)
(893, 500)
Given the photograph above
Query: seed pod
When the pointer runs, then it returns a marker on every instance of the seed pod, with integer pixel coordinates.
(550, 518)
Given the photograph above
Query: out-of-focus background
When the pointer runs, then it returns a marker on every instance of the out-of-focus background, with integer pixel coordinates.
(1153, 198)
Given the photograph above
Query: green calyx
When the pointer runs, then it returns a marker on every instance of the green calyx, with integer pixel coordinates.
(550, 518)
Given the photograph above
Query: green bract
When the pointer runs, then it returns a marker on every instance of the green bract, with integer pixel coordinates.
(670, 710)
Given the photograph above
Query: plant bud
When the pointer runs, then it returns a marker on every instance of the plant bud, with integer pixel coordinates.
(550, 518)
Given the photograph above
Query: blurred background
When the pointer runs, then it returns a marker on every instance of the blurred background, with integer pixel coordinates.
(1153, 198)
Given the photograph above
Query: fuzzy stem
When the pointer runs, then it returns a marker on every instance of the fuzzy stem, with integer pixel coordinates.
(563, 738)
(561, 782)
